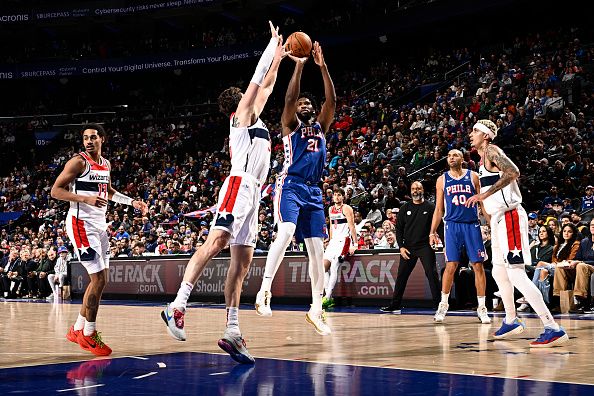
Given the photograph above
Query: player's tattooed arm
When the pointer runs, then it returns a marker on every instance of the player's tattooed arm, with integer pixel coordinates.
(509, 170)
(235, 121)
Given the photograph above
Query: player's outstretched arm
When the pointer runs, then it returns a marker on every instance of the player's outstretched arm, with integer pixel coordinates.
(268, 85)
(60, 190)
(120, 198)
(329, 107)
(289, 117)
(438, 212)
(249, 97)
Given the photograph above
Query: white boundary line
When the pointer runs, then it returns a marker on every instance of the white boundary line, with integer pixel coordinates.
(79, 388)
(145, 375)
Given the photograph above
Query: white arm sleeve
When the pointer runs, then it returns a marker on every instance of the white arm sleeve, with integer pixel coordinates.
(265, 62)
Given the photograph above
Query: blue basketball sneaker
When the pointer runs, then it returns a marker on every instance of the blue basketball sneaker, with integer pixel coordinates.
(550, 338)
(506, 330)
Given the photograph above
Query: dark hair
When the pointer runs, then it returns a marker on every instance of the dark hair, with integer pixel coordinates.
(228, 100)
(312, 99)
(563, 254)
(339, 191)
(550, 234)
(96, 127)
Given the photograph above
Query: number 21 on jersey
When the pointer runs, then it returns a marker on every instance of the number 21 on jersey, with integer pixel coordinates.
(312, 145)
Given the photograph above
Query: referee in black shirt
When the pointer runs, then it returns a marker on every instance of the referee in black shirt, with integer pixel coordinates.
(412, 234)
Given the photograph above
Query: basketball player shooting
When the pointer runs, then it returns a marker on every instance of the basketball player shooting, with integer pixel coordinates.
(298, 205)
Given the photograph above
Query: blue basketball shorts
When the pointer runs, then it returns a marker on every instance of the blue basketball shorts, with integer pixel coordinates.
(302, 205)
(460, 236)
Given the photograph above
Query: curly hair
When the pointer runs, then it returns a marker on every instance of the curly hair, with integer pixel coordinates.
(228, 100)
(489, 124)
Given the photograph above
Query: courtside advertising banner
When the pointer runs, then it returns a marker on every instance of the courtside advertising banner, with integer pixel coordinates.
(360, 276)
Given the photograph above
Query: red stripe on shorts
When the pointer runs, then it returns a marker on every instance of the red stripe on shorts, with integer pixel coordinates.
(345, 248)
(80, 234)
(512, 225)
(231, 195)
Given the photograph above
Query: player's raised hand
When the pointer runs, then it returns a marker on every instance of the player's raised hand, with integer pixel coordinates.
(281, 49)
(318, 55)
(300, 61)
(273, 30)
(140, 205)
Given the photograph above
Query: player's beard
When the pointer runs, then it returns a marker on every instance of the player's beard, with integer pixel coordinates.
(417, 196)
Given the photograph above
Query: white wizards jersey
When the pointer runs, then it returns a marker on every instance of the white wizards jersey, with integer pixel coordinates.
(338, 222)
(249, 148)
(509, 197)
(94, 181)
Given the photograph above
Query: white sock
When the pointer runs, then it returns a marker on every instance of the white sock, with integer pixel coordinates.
(481, 301)
(185, 289)
(445, 297)
(332, 278)
(80, 322)
(531, 293)
(326, 279)
(89, 328)
(276, 253)
(315, 251)
(507, 292)
(233, 320)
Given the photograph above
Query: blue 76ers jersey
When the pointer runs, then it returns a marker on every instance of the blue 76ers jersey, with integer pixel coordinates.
(305, 153)
(455, 194)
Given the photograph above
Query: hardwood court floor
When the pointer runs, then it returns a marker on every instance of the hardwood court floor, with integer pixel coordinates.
(35, 333)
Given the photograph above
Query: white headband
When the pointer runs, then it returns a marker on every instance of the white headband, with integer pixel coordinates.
(484, 129)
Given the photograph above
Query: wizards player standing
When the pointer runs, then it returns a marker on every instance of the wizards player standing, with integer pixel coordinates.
(461, 230)
(298, 206)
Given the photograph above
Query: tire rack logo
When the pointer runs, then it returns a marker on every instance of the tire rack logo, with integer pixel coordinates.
(375, 272)
(145, 275)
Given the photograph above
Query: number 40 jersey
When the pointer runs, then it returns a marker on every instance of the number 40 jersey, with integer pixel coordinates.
(455, 194)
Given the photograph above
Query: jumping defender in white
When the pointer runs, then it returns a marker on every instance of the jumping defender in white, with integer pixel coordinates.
(236, 219)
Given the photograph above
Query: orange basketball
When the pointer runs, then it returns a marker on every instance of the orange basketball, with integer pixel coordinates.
(299, 44)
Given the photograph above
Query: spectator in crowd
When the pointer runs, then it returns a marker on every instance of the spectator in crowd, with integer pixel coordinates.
(8, 272)
(45, 269)
(588, 200)
(578, 269)
(138, 250)
(58, 278)
(533, 228)
(541, 252)
(564, 252)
